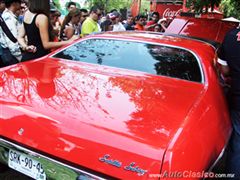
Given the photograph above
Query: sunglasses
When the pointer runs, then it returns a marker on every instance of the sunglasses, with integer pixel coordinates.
(99, 15)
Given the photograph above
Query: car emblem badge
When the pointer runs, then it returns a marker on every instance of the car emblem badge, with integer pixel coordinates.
(131, 167)
(20, 131)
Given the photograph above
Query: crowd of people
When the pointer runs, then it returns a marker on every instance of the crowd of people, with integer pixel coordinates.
(39, 27)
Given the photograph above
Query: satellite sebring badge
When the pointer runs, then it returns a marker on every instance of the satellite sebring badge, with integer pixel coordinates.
(129, 167)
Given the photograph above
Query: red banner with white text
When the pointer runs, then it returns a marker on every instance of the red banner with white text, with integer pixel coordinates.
(168, 10)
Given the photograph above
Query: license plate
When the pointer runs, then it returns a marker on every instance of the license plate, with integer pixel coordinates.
(26, 165)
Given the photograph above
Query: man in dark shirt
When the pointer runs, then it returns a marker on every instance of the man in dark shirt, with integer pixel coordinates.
(129, 26)
(229, 58)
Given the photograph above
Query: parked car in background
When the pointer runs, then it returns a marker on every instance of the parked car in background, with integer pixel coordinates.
(126, 105)
(211, 29)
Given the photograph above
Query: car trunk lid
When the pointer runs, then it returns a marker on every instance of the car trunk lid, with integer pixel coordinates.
(117, 122)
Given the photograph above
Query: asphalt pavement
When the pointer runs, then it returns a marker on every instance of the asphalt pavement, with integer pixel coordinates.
(9, 174)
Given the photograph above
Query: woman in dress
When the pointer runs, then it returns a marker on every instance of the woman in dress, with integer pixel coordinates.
(35, 34)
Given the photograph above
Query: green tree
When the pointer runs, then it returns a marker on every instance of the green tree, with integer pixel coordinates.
(108, 5)
(231, 8)
(57, 4)
(62, 9)
(199, 5)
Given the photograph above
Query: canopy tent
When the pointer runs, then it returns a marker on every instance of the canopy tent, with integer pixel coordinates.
(231, 19)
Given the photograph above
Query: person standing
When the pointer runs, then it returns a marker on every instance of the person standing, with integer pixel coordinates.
(70, 25)
(84, 15)
(157, 28)
(229, 58)
(115, 17)
(71, 6)
(24, 8)
(163, 24)
(90, 25)
(140, 22)
(151, 24)
(129, 26)
(55, 22)
(11, 53)
(2, 6)
(37, 28)
(106, 25)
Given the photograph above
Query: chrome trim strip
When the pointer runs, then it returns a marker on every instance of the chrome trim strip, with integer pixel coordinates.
(220, 155)
(27, 151)
(202, 40)
(146, 42)
(217, 160)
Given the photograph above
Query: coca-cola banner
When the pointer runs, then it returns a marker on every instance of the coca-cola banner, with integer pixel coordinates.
(168, 10)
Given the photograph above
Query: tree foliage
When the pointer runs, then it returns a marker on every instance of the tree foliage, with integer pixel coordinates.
(200, 6)
(57, 4)
(63, 8)
(108, 5)
(231, 8)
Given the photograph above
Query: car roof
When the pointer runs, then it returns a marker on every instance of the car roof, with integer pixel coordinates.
(183, 41)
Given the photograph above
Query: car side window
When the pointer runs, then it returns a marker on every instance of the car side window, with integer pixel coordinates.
(150, 58)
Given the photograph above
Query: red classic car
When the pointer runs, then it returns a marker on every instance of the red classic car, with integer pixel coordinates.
(128, 105)
(206, 28)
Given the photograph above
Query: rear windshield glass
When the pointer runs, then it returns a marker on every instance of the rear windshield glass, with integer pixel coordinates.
(149, 58)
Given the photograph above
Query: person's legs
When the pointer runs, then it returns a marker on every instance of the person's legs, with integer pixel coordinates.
(233, 157)
(8, 58)
(1, 61)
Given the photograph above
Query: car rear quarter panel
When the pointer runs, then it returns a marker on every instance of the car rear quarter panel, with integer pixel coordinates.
(205, 131)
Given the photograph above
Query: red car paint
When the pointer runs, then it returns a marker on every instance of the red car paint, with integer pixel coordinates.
(161, 124)
(206, 28)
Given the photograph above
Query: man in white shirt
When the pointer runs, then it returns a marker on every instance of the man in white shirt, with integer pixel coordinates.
(115, 17)
(11, 53)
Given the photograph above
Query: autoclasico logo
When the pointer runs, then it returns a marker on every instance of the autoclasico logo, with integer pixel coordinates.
(190, 174)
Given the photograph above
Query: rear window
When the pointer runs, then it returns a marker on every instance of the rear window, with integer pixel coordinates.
(149, 58)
